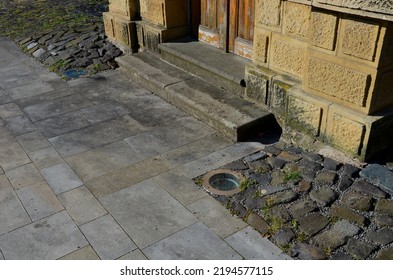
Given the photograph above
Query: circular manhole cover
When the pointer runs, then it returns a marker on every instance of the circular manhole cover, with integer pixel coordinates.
(222, 182)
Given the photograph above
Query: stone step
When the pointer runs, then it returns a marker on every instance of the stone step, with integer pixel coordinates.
(231, 115)
(208, 63)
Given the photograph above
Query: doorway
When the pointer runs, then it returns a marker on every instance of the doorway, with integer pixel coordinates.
(227, 24)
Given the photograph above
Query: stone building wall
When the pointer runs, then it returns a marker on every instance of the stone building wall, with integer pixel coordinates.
(332, 69)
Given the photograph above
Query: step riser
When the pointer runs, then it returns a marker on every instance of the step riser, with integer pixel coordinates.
(209, 76)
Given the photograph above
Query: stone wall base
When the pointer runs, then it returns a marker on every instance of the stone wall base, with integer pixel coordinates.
(151, 35)
(357, 134)
(121, 32)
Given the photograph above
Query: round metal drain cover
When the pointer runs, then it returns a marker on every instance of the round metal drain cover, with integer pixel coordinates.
(222, 182)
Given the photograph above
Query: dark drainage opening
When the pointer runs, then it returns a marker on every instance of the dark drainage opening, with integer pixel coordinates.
(222, 182)
(267, 132)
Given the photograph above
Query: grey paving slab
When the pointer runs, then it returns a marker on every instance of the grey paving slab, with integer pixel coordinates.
(196, 149)
(250, 244)
(196, 242)
(12, 213)
(47, 239)
(220, 158)
(9, 110)
(127, 176)
(107, 238)
(56, 107)
(180, 187)
(216, 217)
(44, 97)
(147, 212)
(62, 124)
(85, 253)
(134, 256)
(39, 201)
(82, 205)
(159, 140)
(19, 125)
(61, 178)
(20, 80)
(32, 141)
(31, 89)
(12, 155)
(94, 136)
(1, 256)
(13, 70)
(107, 110)
(4, 97)
(45, 157)
(103, 160)
(141, 107)
(24, 176)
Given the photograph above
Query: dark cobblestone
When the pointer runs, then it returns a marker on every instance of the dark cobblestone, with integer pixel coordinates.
(314, 207)
(359, 249)
(348, 214)
(323, 196)
(306, 251)
(383, 236)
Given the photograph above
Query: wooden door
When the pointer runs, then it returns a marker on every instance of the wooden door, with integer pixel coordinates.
(228, 25)
(241, 27)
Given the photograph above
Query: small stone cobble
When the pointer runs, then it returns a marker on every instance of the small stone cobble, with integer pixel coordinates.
(314, 207)
(76, 48)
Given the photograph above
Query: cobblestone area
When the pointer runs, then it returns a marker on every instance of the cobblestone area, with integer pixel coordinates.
(83, 47)
(62, 36)
(314, 207)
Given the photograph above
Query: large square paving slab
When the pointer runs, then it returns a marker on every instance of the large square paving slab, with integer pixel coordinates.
(47, 239)
(196, 242)
(61, 178)
(107, 238)
(102, 160)
(250, 244)
(147, 212)
(39, 201)
(94, 136)
(12, 213)
(216, 217)
(82, 205)
(32, 89)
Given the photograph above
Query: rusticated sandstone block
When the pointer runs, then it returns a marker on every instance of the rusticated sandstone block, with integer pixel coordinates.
(323, 30)
(304, 115)
(268, 12)
(288, 57)
(345, 133)
(359, 38)
(338, 81)
(126, 8)
(261, 45)
(257, 85)
(125, 32)
(152, 10)
(296, 19)
(108, 25)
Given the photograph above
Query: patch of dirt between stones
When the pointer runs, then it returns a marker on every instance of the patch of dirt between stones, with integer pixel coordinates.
(313, 207)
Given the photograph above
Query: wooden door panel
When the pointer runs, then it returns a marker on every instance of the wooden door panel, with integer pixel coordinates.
(228, 24)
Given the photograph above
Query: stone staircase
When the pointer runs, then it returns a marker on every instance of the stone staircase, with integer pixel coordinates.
(203, 82)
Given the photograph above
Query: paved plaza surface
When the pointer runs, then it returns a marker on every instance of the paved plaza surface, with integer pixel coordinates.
(99, 168)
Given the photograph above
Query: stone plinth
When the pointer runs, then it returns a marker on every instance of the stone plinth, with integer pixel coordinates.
(120, 26)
